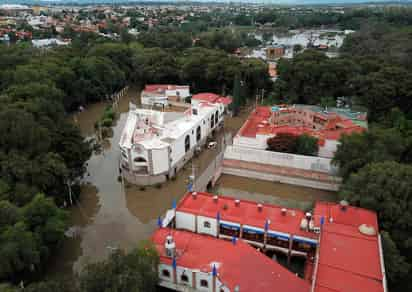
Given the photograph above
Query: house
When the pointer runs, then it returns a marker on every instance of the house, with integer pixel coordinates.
(275, 52)
(219, 243)
(212, 98)
(155, 145)
(161, 94)
(328, 125)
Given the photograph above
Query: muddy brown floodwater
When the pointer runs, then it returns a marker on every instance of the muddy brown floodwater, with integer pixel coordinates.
(111, 215)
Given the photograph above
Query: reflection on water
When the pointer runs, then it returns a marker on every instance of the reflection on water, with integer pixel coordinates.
(112, 215)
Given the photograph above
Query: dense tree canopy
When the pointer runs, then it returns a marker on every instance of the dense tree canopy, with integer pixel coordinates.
(134, 272)
(386, 187)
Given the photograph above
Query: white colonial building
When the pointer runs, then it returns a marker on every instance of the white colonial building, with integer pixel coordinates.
(161, 94)
(155, 145)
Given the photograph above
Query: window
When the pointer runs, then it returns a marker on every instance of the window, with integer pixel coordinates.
(184, 278)
(206, 224)
(187, 143)
(198, 134)
(204, 283)
(253, 236)
(139, 159)
(216, 117)
(166, 273)
(212, 121)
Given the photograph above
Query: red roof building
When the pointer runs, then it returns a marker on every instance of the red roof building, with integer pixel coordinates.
(327, 126)
(341, 246)
(349, 259)
(212, 98)
(235, 264)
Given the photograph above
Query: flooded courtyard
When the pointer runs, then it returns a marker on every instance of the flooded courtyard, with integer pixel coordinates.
(111, 215)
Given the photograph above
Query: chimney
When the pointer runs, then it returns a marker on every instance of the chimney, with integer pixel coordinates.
(237, 203)
(260, 207)
(283, 211)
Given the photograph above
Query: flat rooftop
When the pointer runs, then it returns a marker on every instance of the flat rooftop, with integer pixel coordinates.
(155, 129)
(247, 213)
(237, 264)
(349, 260)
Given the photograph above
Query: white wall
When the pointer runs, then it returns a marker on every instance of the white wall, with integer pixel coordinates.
(178, 149)
(160, 160)
(328, 150)
(311, 163)
(183, 92)
(150, 100)
(180, 271)
(221, 287)
(185, 221)
(166, 267)
(202, 229)
(204, 276)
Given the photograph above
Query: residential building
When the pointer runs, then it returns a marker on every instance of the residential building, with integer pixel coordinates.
(275, 52)
(155, 145)
(212, 98)
(161, 94)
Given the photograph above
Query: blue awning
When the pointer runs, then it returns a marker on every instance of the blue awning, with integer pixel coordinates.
(252, 230)
(230, 225)
(279, 235)
(305, 240)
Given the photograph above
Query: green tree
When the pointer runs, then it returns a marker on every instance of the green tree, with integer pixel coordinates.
(357, 150)
(386, 188)
(237, 95)
(134, 272)
(307, 145)
(396, 266)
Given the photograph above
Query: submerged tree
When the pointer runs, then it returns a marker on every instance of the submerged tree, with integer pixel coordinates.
(132, 272)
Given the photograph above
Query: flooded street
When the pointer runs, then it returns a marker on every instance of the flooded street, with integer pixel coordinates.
(271, 192)
(111, 215)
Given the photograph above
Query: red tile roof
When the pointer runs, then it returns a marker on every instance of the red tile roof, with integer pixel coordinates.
(258, 124)
(348, 259)
(246, 213)
(239, 264)
(212, 97)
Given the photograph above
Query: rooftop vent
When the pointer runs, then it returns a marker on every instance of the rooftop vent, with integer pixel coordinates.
(215, 198)
(304, 224)
(194, 195)
(343, 205)
(237, 203)
(283, 211)
(308, 216)
(260, 207)
(367, 230)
